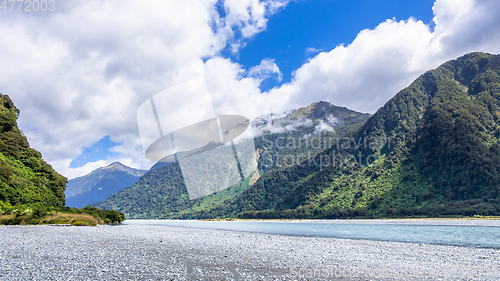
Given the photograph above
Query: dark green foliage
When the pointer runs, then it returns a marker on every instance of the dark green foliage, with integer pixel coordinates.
(433, 150)
(107, 216)
(39, 212)
(25, 178)
(27, 183)
(444, 149)
(457, 144)
(440, 157)
(162, 194)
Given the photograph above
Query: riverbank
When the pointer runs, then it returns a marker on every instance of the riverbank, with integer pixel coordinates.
(130, 252)
(39, 214)
(471, 221)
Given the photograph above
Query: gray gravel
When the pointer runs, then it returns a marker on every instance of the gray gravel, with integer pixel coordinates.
(138, 252)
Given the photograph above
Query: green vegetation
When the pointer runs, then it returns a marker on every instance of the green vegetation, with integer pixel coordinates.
(441, 157)
(31, 192)
(40, 214)
(24, 177)
(161, 193)
(431, 151)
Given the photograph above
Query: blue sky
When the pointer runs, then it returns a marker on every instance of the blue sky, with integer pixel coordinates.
(80, 73)
(295, 34)
(320, 25)
(98, 151)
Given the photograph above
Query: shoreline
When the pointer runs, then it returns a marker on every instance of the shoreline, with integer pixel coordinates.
(126, 252)
(354, 230)
(355, 219)
(424, 221)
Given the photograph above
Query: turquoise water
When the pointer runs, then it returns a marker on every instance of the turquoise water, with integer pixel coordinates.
(458, 235)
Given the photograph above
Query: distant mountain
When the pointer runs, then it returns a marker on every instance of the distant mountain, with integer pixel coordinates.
(99, 184)
(279, 142)
(25, 178)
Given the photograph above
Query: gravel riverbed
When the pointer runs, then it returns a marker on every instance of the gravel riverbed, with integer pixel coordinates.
(142, 252)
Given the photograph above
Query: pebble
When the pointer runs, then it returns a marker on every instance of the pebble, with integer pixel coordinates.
(142, 252)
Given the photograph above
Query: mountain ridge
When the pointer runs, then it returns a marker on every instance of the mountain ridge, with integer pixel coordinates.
(163, 191)
(408, 180)
(100, 183)
(432, 150)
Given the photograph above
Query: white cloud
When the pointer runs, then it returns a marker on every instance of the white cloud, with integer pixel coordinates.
(266, 69)
(323, 127)
(80, 73)
(466, 26)
(247, 17)
(381, 61)
(85, 169)
(274, 126)
(366, 73)
(326, 126)
(310, 51)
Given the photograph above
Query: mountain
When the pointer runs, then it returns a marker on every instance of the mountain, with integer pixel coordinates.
(25, 178)
(432, 150)
(99, 184)
(322, 120)
(278, 141)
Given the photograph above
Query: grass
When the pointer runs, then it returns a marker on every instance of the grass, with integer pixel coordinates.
(72, 219)
(54, 218)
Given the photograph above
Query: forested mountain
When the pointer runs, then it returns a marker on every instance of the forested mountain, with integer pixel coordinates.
(25, 178)
(99, 184)
(279, 143)
(432, 150)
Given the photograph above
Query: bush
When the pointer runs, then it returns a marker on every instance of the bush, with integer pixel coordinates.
(39, 210)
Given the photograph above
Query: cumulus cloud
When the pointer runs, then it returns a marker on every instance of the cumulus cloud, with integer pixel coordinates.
(80, 73)
(381, 61)
(246, 17)
(373, 67)
(266, 69)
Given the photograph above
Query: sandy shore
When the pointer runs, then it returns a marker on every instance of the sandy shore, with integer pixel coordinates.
(137, 252)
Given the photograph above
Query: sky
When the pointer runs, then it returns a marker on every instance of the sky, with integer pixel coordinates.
(79, 73)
